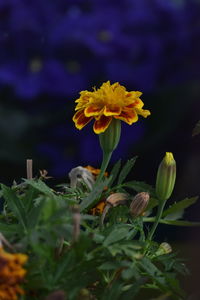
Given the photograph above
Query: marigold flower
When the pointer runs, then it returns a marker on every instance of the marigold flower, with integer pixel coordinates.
(108, 102)
(98, 209)
(11, 274)
(95, 172)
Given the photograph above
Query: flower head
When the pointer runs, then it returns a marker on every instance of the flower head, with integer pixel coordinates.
(108, 102)
(11, 274)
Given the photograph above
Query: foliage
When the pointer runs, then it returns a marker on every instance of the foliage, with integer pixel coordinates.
(90, 260)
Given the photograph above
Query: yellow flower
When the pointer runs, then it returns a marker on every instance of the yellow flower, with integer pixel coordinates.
(108, 102)
(11, 274)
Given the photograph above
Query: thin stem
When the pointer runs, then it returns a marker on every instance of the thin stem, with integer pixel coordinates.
(157, 219)
(29, 168)
(105, 162)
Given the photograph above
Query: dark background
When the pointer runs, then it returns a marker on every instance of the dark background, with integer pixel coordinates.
(51, 50)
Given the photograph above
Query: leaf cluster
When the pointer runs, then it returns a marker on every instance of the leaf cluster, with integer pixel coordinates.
(70, 250)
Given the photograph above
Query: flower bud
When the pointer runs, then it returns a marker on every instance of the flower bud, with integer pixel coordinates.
(166, 177)
(117, 199)
(164, 248)
(78, 175)
(139, 204)
(110, 138)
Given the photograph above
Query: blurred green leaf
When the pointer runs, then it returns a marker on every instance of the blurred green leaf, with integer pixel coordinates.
(94, 195)
(15, 204)
(114, 172)
(179, 206)
(140, 186)
(126, 169)
(116, 235)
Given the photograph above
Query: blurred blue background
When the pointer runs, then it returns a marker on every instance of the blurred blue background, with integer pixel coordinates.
(51, 50)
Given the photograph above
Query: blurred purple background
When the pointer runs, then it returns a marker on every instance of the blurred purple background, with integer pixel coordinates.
(51, 50)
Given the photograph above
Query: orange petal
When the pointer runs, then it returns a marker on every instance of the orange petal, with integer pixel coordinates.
(136, 103)
(101, 124)
(92, 110)
(112, 111)
(128, 116)
(80, 119)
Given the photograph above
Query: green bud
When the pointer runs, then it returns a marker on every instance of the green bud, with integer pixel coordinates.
(164, 248)
(166, 177)
(110, 138)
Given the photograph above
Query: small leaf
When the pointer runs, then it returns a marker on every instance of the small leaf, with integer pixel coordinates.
(94, 195)
(116, 235)
(40, 186)
(140, 186)
(196, 129)
(126, 169)
(114, 172)
(179, 206)
(34, 215)
(15, 204)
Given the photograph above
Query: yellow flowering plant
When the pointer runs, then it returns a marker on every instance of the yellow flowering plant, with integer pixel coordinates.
(88, 238)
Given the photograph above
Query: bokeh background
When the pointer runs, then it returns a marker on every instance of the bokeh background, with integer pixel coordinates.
(50, 50)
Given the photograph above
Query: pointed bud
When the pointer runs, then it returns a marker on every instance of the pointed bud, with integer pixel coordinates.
(110, 138)
(166, 177)
(139, 204)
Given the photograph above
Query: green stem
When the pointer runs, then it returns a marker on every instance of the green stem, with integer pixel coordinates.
(157, 219)
(105, 162)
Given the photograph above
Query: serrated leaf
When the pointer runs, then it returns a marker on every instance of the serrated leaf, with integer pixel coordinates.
(114, 172)
(126, 169)
(140, 186)
(40, 186)
(93, 196)
(15, 204)
(196, 129)
(116, 235)
(153, 271)
(34, 215)
(179, 206)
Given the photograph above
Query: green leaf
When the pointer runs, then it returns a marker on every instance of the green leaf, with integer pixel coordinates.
(94, 195)
(40, 186)
(153, 202)
(15, 204)
(34, 215)
(172, 222)
(116, 235)
(114, 172)
(196, 129)
(140, 186)
(153, 271)
(9, 229)
(126, 169)
(180, 223)
(179, 206)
